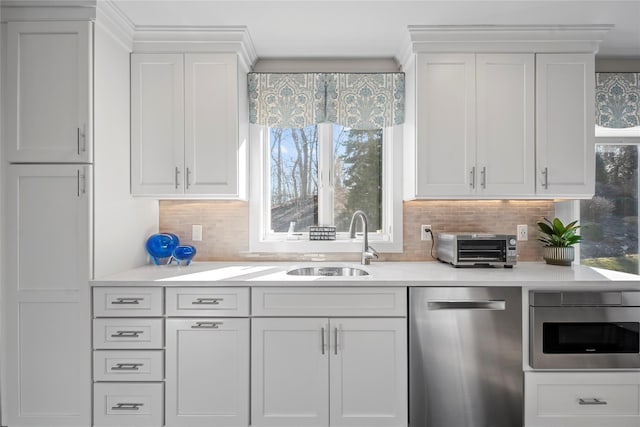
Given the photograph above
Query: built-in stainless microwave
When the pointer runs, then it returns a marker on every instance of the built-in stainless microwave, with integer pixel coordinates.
(584, 330)
(477, 249)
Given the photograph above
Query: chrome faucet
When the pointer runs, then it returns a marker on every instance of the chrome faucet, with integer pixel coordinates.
(368, 253)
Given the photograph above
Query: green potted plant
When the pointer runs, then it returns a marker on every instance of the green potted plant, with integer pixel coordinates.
(558, 240)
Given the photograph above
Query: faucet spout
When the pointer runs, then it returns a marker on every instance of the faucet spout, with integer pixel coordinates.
(368, 252)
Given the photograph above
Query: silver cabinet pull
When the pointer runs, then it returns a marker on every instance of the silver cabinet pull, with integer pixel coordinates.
(127, 367)
(177, 181)
(188, 178)
(127, 301)
(322, 340)
(545, 174)
(83, 178)
(335, 339)
(78, 181)
(127, 334)
(591, 401)
(127, 406)
(207, 325)
(467, 305)
(82, 148)
(472, 181)
(483, 177)
(207, 301)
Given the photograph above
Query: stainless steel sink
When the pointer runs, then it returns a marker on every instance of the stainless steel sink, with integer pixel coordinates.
(327, 271)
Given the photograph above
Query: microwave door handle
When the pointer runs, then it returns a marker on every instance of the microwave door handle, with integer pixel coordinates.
(499, 305)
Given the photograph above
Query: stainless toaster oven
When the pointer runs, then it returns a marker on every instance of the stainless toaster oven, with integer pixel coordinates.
(477, 249)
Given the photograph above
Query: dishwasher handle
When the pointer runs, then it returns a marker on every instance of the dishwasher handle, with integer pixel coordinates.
(499, 305)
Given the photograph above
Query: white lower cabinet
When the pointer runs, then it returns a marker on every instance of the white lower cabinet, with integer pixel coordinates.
(207, 372)
(127, 404)
(128, 357)
(582, 399)
(329, 372)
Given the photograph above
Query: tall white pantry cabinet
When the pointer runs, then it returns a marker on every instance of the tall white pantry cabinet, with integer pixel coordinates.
(47, 142)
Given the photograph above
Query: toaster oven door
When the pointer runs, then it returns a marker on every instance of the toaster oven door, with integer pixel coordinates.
(482, 250)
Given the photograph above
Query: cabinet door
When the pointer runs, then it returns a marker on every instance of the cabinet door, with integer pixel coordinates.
(565, 138)
(157, 124)
(207, 375)
(48, 105)
(46, 298)
(446, 129)
(368, 372)
(505, 107)
(289, 372)
(211, 124)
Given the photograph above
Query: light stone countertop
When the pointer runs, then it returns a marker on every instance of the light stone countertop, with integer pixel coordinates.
(531, 275)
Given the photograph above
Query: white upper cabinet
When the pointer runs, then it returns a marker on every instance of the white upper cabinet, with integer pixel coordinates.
(565, 125)
(475, 125)
(500, 112)
(505, 124)
(157, 123)
(211, 124)
(445, 119)
(185, 125)
(48, 92)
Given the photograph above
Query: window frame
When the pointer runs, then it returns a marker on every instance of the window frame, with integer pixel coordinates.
(261, 240)
(603, 136)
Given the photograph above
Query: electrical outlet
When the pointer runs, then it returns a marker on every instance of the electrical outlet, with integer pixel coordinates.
(425, 232)
(196, 232)
(523, 232)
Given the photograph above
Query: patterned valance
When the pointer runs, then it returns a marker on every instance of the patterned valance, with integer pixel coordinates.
(618, 100)
(358, 101)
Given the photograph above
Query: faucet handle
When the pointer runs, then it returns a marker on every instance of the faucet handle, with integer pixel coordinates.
(373, 252)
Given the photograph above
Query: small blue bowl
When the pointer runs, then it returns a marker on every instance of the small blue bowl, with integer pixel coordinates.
(161, 245)
(184, 254)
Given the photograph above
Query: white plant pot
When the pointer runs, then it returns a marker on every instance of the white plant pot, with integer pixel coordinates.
(558, 256)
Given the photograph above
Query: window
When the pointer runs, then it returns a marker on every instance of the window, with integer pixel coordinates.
(320, 175)
(609, 221)
(303, 195)
(324, 145)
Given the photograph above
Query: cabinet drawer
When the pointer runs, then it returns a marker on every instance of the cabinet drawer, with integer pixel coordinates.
(329, 302)
(127, 333)
(128, 365)
(582, 399)
(203, 302)
(127, 302)
(128, 404)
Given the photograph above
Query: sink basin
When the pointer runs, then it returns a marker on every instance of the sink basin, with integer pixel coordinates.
(327, 271)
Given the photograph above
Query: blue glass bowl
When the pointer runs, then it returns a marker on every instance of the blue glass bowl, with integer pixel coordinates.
(184, 254)
(161, 245)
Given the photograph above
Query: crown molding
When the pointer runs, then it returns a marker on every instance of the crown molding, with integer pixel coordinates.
(52, 10)
(111, 18)
(502, 38)
(222, 39)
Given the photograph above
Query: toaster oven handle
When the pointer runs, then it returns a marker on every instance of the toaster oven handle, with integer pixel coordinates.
(500, 305)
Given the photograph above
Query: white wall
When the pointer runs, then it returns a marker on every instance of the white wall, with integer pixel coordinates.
(121, 223)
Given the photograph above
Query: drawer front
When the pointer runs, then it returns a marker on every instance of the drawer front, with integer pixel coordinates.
(582, 399)
(127, 333)
(344, 302)
(127, 302)
(128, 404)
(128, 365)
(204, 302)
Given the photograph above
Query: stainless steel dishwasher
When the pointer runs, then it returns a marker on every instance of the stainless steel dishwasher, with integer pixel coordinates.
(465, 357)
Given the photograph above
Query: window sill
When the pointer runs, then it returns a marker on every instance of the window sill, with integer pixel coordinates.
(319, 246)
